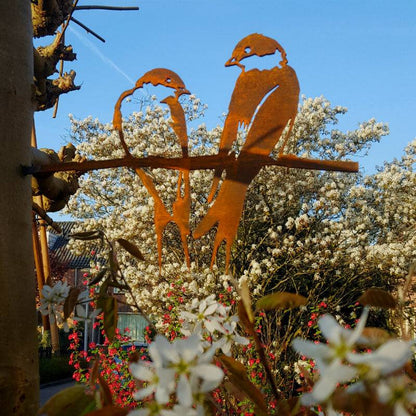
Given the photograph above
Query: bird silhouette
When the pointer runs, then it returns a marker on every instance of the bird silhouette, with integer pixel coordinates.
(266, 101)
(181, 207)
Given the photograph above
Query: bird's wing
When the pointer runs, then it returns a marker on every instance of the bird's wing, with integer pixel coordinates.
(178, 122)
(277, 110)
(250, 89)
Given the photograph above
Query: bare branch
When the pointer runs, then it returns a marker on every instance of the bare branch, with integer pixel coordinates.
(95, 7)
(87, 29)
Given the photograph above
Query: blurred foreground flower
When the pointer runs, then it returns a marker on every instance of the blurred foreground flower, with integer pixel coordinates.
(183, 368)
(330, 358)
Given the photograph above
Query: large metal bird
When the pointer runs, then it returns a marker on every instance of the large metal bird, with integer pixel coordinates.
(181, 207)
(266, 101)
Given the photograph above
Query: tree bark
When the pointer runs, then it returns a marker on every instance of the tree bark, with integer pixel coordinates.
(19, 380)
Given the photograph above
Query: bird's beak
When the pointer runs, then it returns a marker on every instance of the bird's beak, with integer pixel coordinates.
(232, 61)
(182, 91)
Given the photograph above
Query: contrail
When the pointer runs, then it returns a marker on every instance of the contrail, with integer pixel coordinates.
(104, 58)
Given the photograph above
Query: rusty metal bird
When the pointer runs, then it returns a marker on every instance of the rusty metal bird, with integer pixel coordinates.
(266, 101)
(181, 207)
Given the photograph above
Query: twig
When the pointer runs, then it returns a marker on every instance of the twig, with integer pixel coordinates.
(266, 366)
(95, 7)
(136, 305)
(61, 70)
(61, 34)
(87, 29)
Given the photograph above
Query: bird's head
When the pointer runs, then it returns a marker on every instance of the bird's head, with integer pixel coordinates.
(164, 77)
(255, 44)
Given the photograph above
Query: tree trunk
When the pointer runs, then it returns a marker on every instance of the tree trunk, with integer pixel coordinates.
(19, 380)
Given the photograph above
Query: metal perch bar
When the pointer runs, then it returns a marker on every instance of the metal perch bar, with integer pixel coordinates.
(193, 163)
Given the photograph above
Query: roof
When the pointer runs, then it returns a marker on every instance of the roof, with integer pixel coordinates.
(57, 244)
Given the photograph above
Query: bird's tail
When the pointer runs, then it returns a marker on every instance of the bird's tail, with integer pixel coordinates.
(214, 186)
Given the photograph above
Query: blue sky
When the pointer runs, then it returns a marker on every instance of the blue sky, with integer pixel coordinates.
(359, 54)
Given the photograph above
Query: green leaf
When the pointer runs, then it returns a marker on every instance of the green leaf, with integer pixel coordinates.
(98, 277)
(88, 235)
(377, 297)
(280, 300)
(131, 248)
(71, 301)
(109, 306)
(69, 402)
(237, 375)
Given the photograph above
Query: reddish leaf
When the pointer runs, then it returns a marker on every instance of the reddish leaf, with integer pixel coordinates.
(244, 320)
(280, 300)
(106, 399)
(87, 235)
(234, 391)
(408, 368)
(377, 297)
(245, 297)
(114, 266)
(108, 305)
(238, 377)
(94, 372)
(359, 404)
(98, 277)
(131, 248)
(375, 336)
(71, 301)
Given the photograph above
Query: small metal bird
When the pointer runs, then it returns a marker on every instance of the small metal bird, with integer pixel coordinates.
(181, 207)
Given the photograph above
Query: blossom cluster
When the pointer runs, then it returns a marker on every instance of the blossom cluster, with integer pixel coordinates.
(341, 361)
(53, 299)
(212, 322)
(184, 367)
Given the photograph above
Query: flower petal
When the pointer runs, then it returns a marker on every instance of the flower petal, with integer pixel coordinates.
(141, 372)
(184, 392)
(310, 349)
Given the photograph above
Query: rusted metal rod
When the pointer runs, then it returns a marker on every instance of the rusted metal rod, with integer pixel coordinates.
(193, 163)
(45, 217)
(39, 268)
